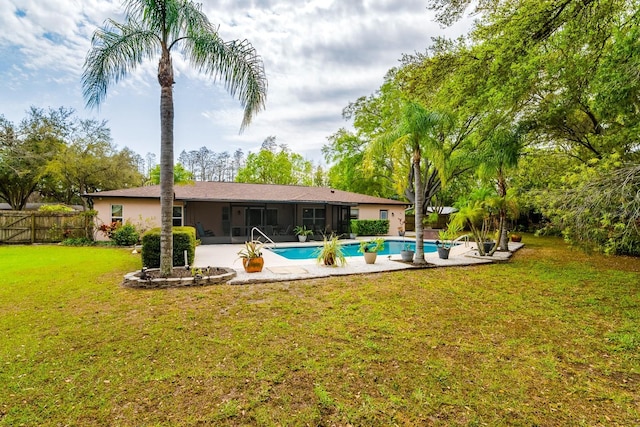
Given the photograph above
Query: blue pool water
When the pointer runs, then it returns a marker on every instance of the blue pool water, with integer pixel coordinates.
(391, 247)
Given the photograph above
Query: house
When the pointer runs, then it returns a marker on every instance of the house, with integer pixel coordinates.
(226, 212)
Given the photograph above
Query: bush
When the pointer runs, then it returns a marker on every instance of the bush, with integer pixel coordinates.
(353, 226)
(55, 209)
(370, 227)
(125, 235)
(78, 241)
(184, 238)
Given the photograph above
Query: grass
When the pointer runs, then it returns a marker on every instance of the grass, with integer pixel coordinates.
(551, 338)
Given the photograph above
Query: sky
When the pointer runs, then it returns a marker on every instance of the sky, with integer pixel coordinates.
(318, 56)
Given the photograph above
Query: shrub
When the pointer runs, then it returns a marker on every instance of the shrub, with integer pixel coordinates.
(184, 238)
(353, 226)
(370, 227)
(78, 241)
(125, 235)
(55, 209)
(108, 229)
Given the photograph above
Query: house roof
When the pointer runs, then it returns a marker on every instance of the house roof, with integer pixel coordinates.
(443, 210)
(240, 192)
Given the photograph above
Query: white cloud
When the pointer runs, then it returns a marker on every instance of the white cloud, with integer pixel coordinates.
(319, 55)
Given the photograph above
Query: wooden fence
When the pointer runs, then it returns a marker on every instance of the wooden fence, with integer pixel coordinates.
(43, 227)
(410, 222)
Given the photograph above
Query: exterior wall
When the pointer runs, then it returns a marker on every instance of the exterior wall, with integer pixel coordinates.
(146, 212)
(143, 212)
(395, 215)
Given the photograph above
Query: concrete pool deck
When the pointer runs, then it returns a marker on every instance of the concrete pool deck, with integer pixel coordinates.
(278, 268)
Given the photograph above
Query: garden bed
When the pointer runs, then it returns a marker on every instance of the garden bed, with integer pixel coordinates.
(180, 277)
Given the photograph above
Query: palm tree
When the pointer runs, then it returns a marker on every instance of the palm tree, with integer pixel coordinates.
(476, 212)
(155, 27)
(501, 153)
(415, 134)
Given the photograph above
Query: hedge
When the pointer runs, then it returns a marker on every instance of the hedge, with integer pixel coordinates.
(370, 227)
(184, 238)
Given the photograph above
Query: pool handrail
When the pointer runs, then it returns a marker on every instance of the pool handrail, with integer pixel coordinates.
(464, 237)
(263, 235)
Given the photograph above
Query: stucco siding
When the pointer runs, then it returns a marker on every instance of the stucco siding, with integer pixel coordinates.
(143, 212)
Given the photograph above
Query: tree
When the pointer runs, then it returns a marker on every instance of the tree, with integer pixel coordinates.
(270, 167)
(599, 206)
(351, 169)
(414, 135)
(319, 177)
(350, 172)
(498, 156)
(180, 175)
(161, 26)
(89, 162)
(25, 152)
(150, 162)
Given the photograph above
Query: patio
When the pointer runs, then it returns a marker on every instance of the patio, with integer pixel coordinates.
(278, 268)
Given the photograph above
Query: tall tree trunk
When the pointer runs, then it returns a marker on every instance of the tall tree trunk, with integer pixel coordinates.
(418, 209)
(503, 238)
(165, 78)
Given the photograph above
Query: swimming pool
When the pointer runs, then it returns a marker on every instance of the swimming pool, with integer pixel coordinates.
(391, 247)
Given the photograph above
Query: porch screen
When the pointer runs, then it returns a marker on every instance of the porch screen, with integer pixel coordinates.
(314, 219)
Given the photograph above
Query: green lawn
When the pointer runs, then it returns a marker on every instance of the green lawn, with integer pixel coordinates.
(551, 338)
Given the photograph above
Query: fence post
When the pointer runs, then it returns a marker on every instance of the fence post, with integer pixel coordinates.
(33, 227)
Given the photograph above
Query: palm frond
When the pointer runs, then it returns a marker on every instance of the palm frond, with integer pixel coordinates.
(116, 50)
(236, 63)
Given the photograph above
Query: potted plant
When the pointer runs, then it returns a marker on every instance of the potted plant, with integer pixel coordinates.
(331, 253)
(407, 253)
(516, 235)
(477, 214)
(446, 238)
(370, 249)
(251, 255)
(302, 232)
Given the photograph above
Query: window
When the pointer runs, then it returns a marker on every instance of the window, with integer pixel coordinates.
(177, 216)
(116, 213)
(314, 219)
(384, 214)
(355, 213)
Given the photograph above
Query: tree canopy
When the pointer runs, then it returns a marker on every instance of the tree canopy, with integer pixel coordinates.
(276, 165)
(59, 157)
(540, 94)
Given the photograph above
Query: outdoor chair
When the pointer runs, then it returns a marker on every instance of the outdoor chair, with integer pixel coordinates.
(202, 232)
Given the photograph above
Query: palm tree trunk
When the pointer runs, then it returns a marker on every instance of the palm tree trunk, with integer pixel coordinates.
(165, 78)
(418, 208)
(503, 239)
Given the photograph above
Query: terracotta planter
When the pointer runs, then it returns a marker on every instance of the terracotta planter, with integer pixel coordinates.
(370, 257)
(516, 238)
(253, 265)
